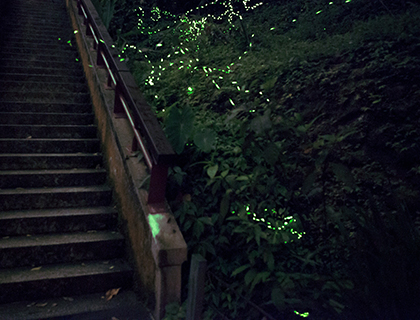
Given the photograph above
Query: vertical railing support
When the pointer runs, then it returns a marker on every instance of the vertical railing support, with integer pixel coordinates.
(157, 188)
(196, 287)
(118, 106)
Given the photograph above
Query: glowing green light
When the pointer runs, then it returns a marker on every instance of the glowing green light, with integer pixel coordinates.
(304, 314)
(59, 38)
(347, 1)
(233, 104)
(190, 90)
(217, 86)
(294, 20)
(318, 12)
(154, 220)
(272, 29)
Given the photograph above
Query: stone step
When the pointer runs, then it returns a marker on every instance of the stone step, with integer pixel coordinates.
(62, 44)
(45, 96)
(23, 222)
(58, 229)
(31, 86)
(47, 131)
(50, 145)
(123, 306)
(34, 26)
(46, 118)
(47, 198)
(74, 72)
(40, 118)
(11, 161)
(43, 37)
(46, 17)
(48, 107)
(21, 62)
(51, 19)
(36, 250)
(43, 56)
(46, 79)
(11, 179)
(63, 280)
(39, 38)
(16, 51)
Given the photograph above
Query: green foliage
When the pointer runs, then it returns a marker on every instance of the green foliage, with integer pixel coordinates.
(106, 10)
(179, 126)
(298, 134)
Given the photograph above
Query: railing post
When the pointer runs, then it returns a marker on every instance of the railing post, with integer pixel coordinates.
(118, 107)
(99, 59)
(88, 31)
(157, 187)
(79, 7)
(196, 287)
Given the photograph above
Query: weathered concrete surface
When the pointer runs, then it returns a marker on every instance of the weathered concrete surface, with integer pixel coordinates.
(156, 241)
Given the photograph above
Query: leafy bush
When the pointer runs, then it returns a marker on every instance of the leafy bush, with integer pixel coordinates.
(297, 129)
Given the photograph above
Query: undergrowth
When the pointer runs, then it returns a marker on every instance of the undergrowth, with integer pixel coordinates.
(296, 125)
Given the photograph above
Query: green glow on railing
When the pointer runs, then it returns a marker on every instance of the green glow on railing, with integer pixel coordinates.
(154, 220)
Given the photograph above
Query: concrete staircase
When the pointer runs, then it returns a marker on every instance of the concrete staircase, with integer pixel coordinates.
(60, 249)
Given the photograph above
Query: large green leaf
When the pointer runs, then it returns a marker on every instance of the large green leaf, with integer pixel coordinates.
(271, 153)
(240, 269)
(342, 173)
(278, 297)
(269, 84)
(211, 171)
(179, 126)
(108, 11)
(205, 139)
(261, 123)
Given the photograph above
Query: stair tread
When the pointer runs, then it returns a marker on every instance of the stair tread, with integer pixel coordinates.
(39, 73)
(45, 91)
(43, 77)
(40, 155)
(61, 271)
(91, 306)
(59, 212)
(55, 190)
(51, 126)
(59, 239)
(4, 114)
(49, 139)
(51, 172)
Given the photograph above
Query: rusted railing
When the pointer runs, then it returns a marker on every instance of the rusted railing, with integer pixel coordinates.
(148, 134)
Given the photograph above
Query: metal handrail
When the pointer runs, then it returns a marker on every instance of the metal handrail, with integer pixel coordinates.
(148, 134)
